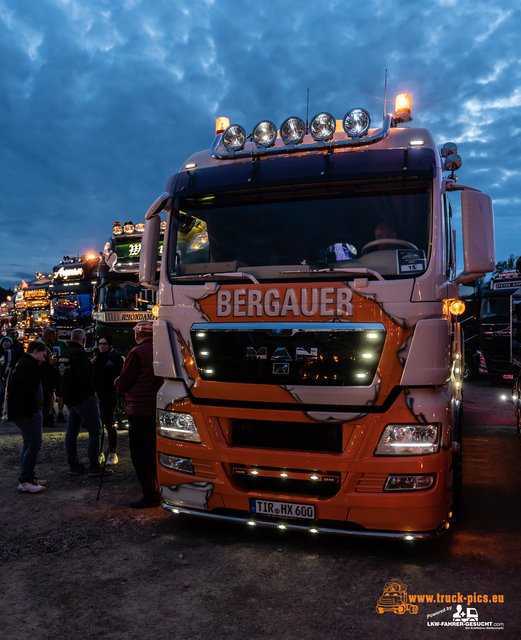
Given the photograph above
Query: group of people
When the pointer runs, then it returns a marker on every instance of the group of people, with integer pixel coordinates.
(89, 388)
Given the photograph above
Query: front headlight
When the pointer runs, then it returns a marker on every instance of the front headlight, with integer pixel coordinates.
(409, 440)
(178, 426)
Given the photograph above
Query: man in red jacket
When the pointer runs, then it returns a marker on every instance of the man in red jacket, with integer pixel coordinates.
(139, 386)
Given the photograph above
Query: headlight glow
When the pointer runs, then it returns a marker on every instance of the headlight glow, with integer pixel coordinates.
(264, 134)
(356, 123)
(408, 440)
(234, 137)
(177, 426)
(292, 130)
(322, 126)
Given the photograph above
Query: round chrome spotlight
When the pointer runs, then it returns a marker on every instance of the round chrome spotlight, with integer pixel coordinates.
(356, 123)
(322, 126)
(264, 134)
(234, 137)
(292, 130)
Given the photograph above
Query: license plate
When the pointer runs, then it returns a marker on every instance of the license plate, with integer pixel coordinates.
(282, 509)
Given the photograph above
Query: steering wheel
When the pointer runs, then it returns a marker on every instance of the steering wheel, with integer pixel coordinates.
(387, 241)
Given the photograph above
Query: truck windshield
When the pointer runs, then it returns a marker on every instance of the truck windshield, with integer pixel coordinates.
(380, 225)
(71, 306)
(126, 295)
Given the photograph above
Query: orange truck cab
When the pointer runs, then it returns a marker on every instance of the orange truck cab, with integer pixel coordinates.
(307, 326)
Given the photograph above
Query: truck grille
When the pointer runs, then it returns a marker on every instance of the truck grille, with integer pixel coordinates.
(314, 353)
(293, 436)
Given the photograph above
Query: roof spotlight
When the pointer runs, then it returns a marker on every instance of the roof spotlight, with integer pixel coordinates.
(264, 134)
(322, 126)
(234, 137)
(356, 123)
(140, 227)
(292, 130)
(117, 229)
(128, 227)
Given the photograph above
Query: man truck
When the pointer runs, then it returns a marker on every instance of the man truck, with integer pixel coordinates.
(307, 326)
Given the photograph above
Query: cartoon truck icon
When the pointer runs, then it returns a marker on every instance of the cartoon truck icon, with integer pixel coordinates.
(394, 598)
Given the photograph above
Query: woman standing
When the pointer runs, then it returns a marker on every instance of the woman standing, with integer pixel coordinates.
(106, 367)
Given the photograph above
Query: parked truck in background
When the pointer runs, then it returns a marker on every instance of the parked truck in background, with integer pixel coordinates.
(120, 300)
(71, 296)
(494, 328)
(307, 326)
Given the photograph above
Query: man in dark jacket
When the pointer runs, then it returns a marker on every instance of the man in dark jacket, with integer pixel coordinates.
(25, 396)
(80, 397)
(140, 386)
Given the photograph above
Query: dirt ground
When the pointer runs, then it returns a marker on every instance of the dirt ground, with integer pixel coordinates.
(75, 567)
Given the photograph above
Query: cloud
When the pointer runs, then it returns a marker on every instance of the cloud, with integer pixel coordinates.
(102, 100)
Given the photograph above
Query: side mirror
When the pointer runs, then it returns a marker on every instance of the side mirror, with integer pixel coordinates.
(478, 232)
(148, 253)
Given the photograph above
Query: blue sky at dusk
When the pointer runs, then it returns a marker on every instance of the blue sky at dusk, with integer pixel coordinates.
(101, 101)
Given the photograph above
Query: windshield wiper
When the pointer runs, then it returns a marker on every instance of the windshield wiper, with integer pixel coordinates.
(352, 270)
(235, 274)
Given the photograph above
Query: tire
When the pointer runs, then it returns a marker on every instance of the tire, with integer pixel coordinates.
(469, 367)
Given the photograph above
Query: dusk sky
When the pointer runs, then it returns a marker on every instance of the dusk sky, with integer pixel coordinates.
(102, 100)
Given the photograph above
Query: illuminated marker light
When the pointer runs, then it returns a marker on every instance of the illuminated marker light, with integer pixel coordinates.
(191, 165)
(313, 531)
(409, 538)
(201, 334)
(208, 370)
(254, 473)
(175, 510)
(457, 307)
(251, 523)
(205, 353)
(503, 397)
(372, 336)
(155, 311)
(284, 475)
(361, 375)
(314, 477)
(367, 355)
(416, 143)
(281, 526)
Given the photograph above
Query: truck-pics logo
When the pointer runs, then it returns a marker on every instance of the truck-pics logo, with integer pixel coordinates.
(394, 598)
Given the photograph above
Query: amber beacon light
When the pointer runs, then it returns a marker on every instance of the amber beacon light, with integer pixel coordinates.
(221, 124)
(457, 307)
(402, 111)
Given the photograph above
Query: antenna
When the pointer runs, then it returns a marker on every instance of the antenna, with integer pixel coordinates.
(385, 95)
(307, 114)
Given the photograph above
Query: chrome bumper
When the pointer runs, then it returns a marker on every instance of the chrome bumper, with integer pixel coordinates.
(311, 528)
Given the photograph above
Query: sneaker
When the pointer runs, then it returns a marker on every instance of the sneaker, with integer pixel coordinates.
(61, 418)
(30, 487)
(75, 469)
(42, 483)
(112, 459)
(96, 472)
(144, 503)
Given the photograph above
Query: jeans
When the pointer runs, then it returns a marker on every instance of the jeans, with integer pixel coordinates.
(86, 413)
(32, 434)
(142, 443)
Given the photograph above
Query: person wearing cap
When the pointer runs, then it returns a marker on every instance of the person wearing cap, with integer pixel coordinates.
(139, 386)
